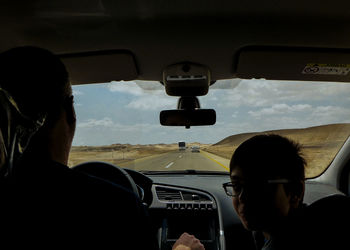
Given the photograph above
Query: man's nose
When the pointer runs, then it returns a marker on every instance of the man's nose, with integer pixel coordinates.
(243, 195)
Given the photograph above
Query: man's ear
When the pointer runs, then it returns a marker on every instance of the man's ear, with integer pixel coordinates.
(70, 111)
(297, 195)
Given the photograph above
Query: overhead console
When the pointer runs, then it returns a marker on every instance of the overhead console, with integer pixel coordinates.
(177, 210)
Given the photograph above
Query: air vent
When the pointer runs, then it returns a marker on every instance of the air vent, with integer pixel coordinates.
(196, 197)
(168, 194)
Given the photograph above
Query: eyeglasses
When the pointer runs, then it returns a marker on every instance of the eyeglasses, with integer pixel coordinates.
(235, 188)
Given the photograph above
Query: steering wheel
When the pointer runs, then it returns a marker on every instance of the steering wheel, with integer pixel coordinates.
(109, 172)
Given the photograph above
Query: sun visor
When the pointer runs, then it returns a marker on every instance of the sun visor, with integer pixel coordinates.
(99, 67)
(294, 64)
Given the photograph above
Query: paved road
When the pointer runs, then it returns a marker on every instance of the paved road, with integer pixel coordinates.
(177, 160)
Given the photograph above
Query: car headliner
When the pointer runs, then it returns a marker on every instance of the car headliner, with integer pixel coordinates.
(150, 35)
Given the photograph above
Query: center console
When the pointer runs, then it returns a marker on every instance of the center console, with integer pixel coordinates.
(178, 210)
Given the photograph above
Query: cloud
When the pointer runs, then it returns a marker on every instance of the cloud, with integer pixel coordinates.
(280, 109)
(259, 93)
(107, 122)
(153, 103)
(146, 95)
(105, 132)
(150, 85)
(77, 92)
(225, 84)
(234, 115)
(91, 123)
(247, 93)
(125, 88)
(330, 114)
(282, 116)
(281, 122)
(137, 88)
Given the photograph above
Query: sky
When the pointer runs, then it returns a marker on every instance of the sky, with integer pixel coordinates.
(128, 112)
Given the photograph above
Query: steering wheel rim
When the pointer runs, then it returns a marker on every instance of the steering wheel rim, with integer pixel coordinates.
(109, 172)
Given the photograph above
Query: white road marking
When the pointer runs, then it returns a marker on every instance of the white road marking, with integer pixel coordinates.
(169, 165)
(180, 156)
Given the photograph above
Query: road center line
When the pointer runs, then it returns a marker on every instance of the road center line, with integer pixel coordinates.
(169, 165)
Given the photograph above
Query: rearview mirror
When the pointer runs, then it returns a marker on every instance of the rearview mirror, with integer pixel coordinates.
(187, 117)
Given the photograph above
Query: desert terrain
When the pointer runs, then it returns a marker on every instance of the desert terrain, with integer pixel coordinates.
(320, 145)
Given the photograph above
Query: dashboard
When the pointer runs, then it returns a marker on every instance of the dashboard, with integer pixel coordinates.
(197, 204)
(192, 202)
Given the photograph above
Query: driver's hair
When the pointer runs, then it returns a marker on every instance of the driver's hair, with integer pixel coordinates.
(38, 82)
(36, 79)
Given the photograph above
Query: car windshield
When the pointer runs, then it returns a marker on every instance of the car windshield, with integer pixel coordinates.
(118, 122)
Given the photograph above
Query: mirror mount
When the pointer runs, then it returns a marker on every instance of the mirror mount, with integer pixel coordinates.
(187, 80)
(188, 102)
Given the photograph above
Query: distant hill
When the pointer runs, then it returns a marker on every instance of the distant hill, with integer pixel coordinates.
(320, 144)
(317, 134)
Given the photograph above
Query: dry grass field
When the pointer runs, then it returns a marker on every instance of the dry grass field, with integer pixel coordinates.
(117, 153)
(320, 145)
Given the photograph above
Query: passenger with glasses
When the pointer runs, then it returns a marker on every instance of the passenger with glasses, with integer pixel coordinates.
(267, 188)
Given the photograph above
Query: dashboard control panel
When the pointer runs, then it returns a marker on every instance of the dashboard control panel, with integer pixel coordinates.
(185, 210)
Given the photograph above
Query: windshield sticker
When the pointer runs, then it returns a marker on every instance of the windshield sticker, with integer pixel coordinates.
(326, 69)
